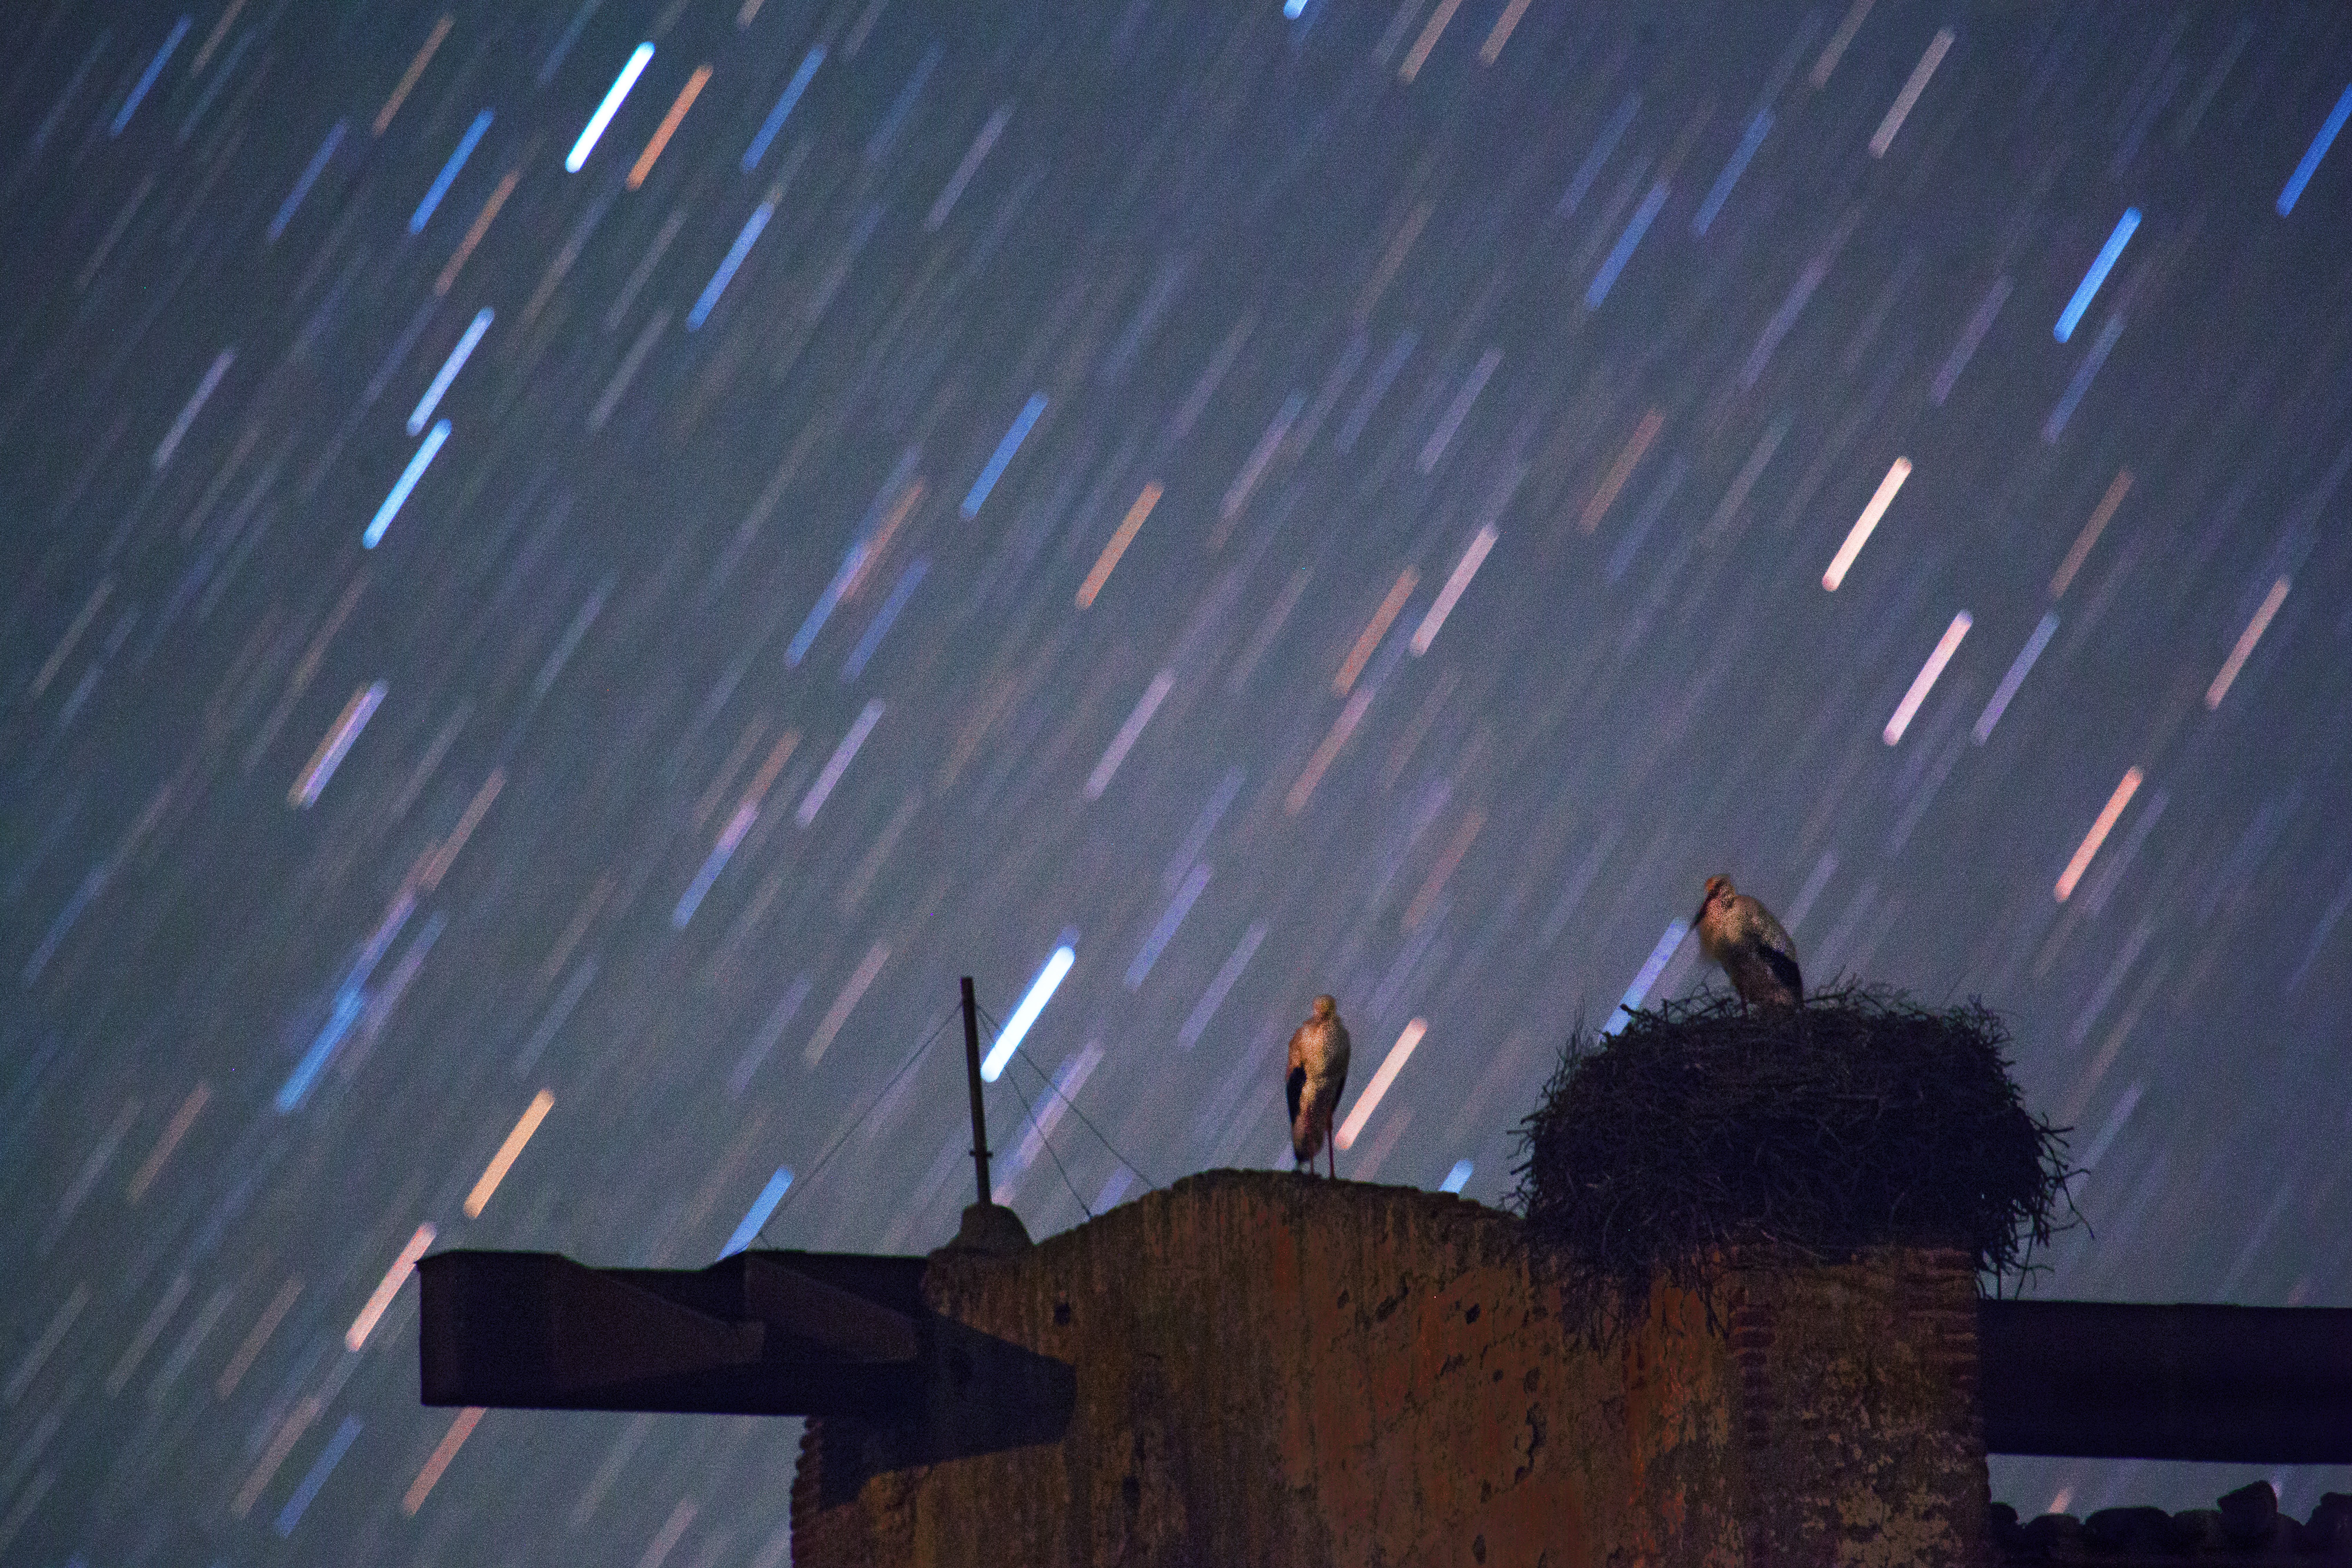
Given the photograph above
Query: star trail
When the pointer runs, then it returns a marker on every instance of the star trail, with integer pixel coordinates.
(571, 566)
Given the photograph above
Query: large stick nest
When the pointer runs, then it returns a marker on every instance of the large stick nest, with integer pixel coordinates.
(1706, 1127)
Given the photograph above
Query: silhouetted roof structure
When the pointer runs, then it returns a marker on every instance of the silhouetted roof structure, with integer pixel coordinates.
(2245, 1527)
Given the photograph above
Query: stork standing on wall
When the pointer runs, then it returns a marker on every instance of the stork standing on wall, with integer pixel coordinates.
(1740, 934)
(1318, 1072)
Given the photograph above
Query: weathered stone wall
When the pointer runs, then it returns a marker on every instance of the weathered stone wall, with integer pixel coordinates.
(1276, 1370)
(1858, 1410)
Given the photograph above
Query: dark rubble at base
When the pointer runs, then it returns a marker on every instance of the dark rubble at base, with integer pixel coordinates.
(2245, 1527)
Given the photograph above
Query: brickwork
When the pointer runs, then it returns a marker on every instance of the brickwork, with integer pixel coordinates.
(1859, 1422)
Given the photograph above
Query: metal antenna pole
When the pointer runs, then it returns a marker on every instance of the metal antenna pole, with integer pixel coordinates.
(971, 1076)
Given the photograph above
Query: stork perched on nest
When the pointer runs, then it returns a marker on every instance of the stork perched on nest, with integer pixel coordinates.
(1739, 934)
(1317, 1072)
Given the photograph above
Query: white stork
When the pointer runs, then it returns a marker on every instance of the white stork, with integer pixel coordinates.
(1739, 934)
(1318, 1072)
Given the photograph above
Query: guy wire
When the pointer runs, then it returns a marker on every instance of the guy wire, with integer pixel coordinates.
(856, 1122)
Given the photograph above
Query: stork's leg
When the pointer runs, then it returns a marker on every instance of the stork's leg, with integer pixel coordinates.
(1331, 1152)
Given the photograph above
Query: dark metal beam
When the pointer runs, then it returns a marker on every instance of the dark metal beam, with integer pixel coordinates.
(836, 1334)
(767, 1333)
(2112, 1380)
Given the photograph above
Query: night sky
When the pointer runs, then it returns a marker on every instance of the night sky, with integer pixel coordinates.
(533, 660)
